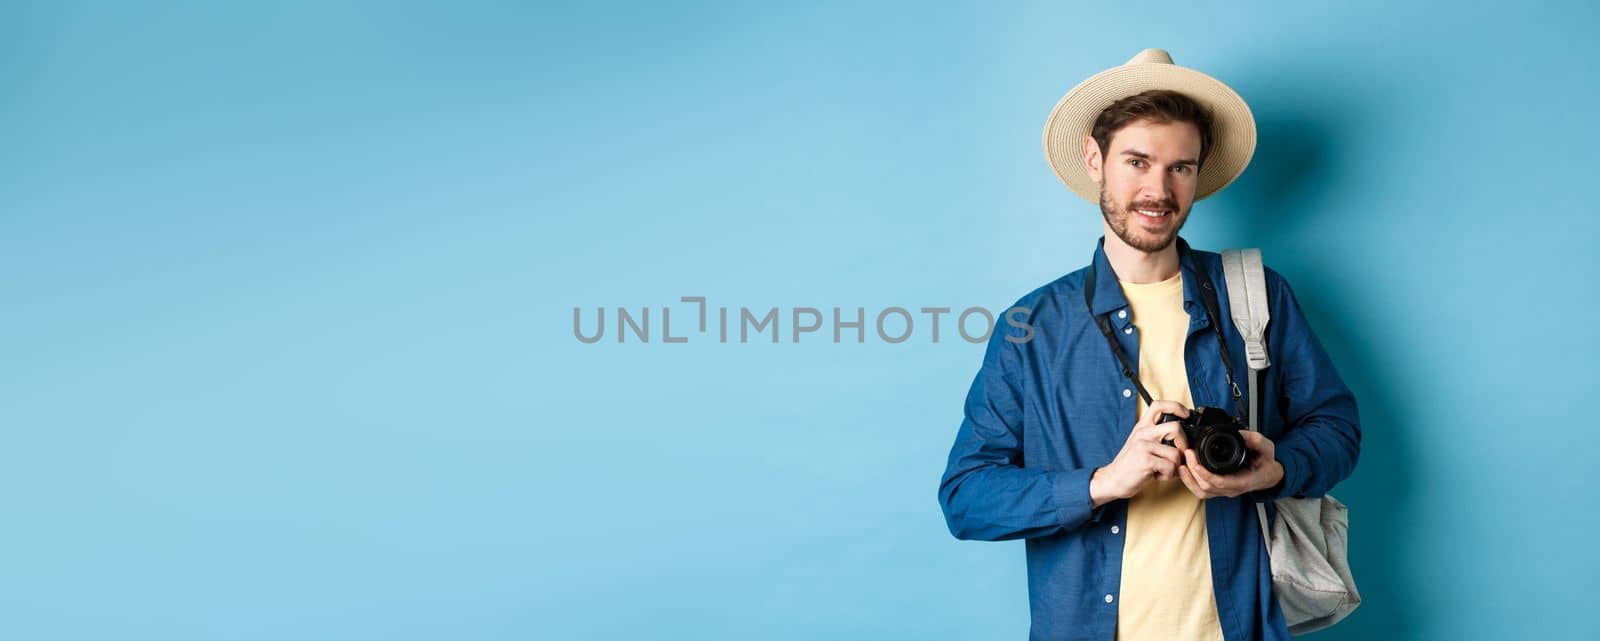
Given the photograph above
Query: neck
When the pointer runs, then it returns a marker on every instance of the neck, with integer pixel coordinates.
(1137, 266)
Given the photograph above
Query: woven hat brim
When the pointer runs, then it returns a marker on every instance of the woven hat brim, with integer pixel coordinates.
(1233, 126)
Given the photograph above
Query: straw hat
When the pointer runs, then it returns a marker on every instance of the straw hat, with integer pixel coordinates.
(1233, 128)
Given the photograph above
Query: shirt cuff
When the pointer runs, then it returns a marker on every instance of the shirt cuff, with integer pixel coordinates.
(1071, 494)
(1294, 471)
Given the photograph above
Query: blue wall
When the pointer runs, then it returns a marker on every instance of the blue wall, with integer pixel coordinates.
(288, 292)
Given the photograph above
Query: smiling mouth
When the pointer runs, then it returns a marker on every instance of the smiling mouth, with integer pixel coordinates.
(1154, 215)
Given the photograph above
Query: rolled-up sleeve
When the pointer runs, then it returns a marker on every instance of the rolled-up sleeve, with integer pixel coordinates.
(985, 493)
(1322, 429)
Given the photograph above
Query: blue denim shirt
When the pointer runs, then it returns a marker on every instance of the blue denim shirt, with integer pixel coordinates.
(1050, 405)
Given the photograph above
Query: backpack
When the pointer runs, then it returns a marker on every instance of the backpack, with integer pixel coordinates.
(1307, 542)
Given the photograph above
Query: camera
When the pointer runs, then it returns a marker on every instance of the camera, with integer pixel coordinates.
(1214, 435)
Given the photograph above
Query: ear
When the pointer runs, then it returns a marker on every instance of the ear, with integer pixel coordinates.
(1092, 160)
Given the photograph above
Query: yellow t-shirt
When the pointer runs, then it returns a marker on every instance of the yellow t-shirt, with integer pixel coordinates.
(1166, 593)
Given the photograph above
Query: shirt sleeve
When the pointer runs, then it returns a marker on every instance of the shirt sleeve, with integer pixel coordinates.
(985, 493)
(1322, 429)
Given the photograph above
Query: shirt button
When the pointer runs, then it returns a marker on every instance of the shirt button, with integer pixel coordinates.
(1109, 598)
(1115, 529)
(1127, 330)
(1122, 314)
(1126, 392)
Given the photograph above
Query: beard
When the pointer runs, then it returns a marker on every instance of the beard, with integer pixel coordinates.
(1121, 221)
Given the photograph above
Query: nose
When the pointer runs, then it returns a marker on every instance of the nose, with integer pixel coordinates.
(1156, 186)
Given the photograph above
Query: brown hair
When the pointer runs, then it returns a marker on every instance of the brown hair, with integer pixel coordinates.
(1156, 105)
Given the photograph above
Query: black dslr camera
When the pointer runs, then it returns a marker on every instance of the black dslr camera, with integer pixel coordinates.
(1214, 435)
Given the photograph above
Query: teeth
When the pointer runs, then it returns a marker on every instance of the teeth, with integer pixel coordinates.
(1153, 214)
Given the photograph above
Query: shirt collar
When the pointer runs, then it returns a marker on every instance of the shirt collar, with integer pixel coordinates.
(1108, 291)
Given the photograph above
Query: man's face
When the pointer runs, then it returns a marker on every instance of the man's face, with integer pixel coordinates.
(1147, 180)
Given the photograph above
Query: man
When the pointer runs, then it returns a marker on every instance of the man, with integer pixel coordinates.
(1127, 535)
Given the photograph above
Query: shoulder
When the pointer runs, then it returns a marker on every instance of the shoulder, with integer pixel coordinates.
(1053, 298)
(1278, 289)
(1047, 307)
(1211, 262)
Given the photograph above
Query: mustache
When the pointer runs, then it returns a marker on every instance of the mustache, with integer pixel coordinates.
(1165, 204)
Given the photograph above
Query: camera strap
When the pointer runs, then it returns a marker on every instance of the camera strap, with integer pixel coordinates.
(1208, 297)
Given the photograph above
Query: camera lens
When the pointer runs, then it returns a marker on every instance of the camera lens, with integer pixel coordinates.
(1222, 452)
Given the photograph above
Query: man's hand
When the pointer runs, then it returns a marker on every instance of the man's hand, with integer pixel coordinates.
(1143, 456)
(1265, 471)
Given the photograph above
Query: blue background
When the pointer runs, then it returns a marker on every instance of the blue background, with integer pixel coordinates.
(288, 288)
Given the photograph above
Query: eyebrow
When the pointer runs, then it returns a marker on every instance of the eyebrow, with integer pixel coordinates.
(1139, 154)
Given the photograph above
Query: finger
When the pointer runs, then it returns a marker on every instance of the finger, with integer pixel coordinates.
(1207, 481)
(1257, 442)
(1178, 439)
(1256, 464)
(1169, 431)
(1148, 432)
(1169, 407)
(1189, 482)
(1166, 453)
(1156, 409)
(1214, 483)
(1160, 466)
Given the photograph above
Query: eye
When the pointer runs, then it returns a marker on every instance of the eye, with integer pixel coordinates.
(1137, 162)
(1182, 169)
